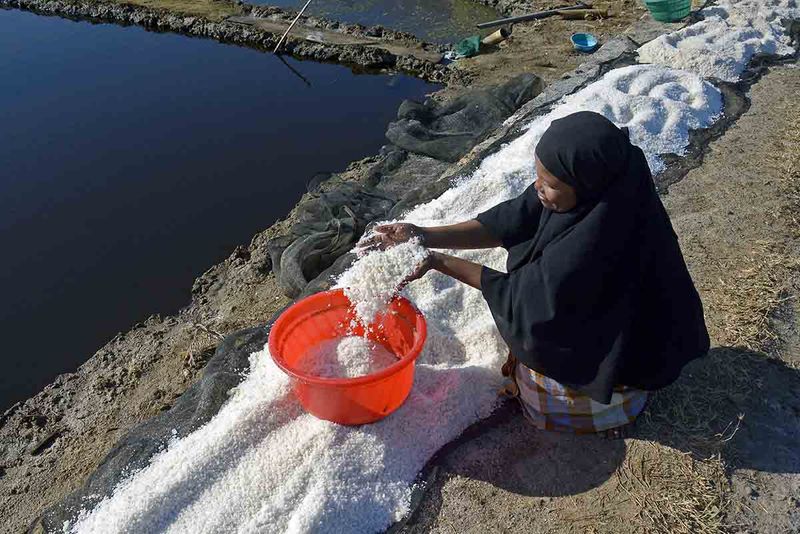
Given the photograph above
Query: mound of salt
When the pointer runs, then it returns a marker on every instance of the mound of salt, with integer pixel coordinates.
(346, 357)
(722, 45)
(375, 278)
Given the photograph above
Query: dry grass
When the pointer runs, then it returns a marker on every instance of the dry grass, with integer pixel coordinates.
(788, 153)
(201, 347)
(677, 477)
(748, 290)
(674, 492)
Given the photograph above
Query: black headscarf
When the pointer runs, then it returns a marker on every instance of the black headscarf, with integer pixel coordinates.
(598, 296)
(586, 151)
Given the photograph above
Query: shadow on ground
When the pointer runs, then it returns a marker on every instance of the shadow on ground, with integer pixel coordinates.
(730, 387)
(740, 404)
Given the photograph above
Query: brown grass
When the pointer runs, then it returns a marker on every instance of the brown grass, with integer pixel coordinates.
(676, 477)
(748, 291)
(674, 492)
(788, 152)
(201, 347)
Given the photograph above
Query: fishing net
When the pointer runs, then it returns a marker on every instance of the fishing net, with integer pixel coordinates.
(448, 131)
(326, 227)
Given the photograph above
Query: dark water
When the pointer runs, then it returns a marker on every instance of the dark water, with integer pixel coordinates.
(431, 20)
(130, 162)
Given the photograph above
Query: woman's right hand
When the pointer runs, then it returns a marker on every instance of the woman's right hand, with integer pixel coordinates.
(389, 235)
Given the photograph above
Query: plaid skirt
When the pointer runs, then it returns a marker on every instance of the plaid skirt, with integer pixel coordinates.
(552, 406)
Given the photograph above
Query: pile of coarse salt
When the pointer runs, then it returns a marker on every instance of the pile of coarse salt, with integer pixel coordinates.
(346, 357)
(375, 278)
(723, 43)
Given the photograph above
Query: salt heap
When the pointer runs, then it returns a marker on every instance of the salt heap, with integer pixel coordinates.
(264, 466)
(346, 357)
(722, 45)
(375, 278)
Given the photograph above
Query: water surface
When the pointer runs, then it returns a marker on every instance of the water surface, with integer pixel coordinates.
(431, 20)
(132, 161)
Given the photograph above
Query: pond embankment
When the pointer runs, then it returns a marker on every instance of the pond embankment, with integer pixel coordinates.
(372, 48)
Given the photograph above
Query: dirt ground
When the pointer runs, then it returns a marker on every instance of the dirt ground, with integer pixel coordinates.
(543, 47)
(734, 216)
(717, 451)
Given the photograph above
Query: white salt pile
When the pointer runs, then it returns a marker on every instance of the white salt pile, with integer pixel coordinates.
(262, 465)
(722, 44)
(375, 278)
(346, 357)
(657, 104)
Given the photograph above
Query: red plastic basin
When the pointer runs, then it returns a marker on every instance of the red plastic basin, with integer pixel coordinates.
(348, 401)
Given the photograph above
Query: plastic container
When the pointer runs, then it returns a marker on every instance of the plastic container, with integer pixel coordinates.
(348, 401)
(669, 10)
(585, 42)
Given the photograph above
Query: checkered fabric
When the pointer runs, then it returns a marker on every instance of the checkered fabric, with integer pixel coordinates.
(551, 406)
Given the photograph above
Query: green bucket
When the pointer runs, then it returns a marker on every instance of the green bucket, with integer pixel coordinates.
(669, 10)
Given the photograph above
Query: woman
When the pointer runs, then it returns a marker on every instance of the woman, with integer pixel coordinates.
(597, 305)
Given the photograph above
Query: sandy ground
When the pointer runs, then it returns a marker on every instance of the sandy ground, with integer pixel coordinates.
(732, 216)
(544, 47)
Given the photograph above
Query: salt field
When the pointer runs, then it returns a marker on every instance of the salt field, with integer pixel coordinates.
(332, 478)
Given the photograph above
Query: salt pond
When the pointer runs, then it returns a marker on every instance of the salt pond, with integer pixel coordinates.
(132, 161)
(431, 20)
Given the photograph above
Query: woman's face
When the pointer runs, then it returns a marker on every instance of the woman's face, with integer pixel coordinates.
(553, 193)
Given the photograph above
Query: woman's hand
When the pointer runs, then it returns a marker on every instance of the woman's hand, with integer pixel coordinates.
(462, 270)
(422, 269)
(389, 235)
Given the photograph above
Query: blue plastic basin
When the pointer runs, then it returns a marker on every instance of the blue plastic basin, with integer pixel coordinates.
(585, 42)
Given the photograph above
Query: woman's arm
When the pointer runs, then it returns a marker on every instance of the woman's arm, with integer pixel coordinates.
(466, 235)
(463, 270)
(504, 225)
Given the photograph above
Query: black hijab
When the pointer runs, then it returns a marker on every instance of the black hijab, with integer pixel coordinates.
(598, 296)
(586, 151)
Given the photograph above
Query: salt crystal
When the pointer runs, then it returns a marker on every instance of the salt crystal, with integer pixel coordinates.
(346, 357)
(375, 278)
(722, 45)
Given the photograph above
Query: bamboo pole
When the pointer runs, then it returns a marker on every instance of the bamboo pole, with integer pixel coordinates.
(531, 16)
(583, 13)
(496, 38)
(300, 14)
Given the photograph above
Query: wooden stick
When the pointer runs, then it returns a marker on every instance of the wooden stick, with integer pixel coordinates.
(531, 16)
(582, 13)
(300, 14)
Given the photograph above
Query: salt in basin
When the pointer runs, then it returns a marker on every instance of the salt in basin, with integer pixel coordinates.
(401, 329)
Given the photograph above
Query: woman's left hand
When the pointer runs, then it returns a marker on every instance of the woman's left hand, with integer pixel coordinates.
(422, 269)
(462, 270)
